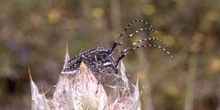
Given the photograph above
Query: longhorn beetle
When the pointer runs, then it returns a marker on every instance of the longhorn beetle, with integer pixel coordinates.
(99, 59)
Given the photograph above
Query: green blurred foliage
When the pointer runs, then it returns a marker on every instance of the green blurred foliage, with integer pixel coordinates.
(33, 34)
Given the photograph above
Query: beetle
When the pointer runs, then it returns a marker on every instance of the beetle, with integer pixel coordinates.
(101, 59)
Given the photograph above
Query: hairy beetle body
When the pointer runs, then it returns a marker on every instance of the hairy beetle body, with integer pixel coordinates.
(97, 59)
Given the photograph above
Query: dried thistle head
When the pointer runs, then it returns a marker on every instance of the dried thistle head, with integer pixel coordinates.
(81, 90)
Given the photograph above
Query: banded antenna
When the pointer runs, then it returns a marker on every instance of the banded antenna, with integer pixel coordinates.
(150, 28)
(134, 47)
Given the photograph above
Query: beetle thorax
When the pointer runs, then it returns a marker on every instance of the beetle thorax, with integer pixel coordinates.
(98, 60)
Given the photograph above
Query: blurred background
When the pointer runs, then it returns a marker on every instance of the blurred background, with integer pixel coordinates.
(33, 35)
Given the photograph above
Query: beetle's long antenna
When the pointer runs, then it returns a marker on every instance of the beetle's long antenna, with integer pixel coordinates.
(150, 28)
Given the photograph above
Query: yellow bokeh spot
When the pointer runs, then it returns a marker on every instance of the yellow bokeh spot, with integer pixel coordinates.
(168, 40)
(149, 9)
(53, 16)
(98, 13)
(171, 90)
(215, 65)
(212, 16)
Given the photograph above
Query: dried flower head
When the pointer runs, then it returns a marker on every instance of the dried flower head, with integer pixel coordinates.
(81, 90)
